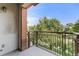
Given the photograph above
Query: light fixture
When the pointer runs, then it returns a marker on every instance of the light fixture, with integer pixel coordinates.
(4, 9)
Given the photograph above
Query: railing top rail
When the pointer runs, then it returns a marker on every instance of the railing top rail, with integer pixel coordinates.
(56, 32)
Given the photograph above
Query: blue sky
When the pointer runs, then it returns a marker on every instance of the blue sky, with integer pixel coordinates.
(65, 13)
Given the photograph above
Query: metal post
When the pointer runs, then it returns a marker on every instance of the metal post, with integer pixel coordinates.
(36, 38)
(77, 45)
(50, 46)
(28, 39)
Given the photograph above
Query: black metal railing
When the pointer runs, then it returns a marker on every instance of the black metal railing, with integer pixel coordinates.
(62, 43)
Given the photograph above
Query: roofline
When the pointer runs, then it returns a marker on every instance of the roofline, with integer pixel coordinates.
(27, 5)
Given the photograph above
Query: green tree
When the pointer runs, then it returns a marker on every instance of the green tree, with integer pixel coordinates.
(46, 24)
(56, 25)
(69, 27)
(76, 26)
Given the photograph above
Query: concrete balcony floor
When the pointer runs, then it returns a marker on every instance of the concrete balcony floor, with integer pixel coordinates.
(32, 51)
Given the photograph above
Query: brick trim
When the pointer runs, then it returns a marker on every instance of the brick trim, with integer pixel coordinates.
(23, 42)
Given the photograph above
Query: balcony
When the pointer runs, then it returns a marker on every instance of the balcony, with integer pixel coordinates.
(43, 43)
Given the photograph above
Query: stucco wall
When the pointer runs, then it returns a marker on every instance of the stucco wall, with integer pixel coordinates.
(8, 28)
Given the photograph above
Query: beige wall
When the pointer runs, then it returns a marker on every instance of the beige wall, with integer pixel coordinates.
(8, 28)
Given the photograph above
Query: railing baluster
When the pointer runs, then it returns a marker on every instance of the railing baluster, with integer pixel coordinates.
(36, 38)
(62, 43)
(68, 46)
(52, 40)
(72, 46)
(57, 41)
(56, 44)
(65, 43)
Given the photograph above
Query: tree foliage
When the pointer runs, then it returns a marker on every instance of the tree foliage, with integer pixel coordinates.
(54, 25)
(76, 26)
(46, 24)
(69, 27)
